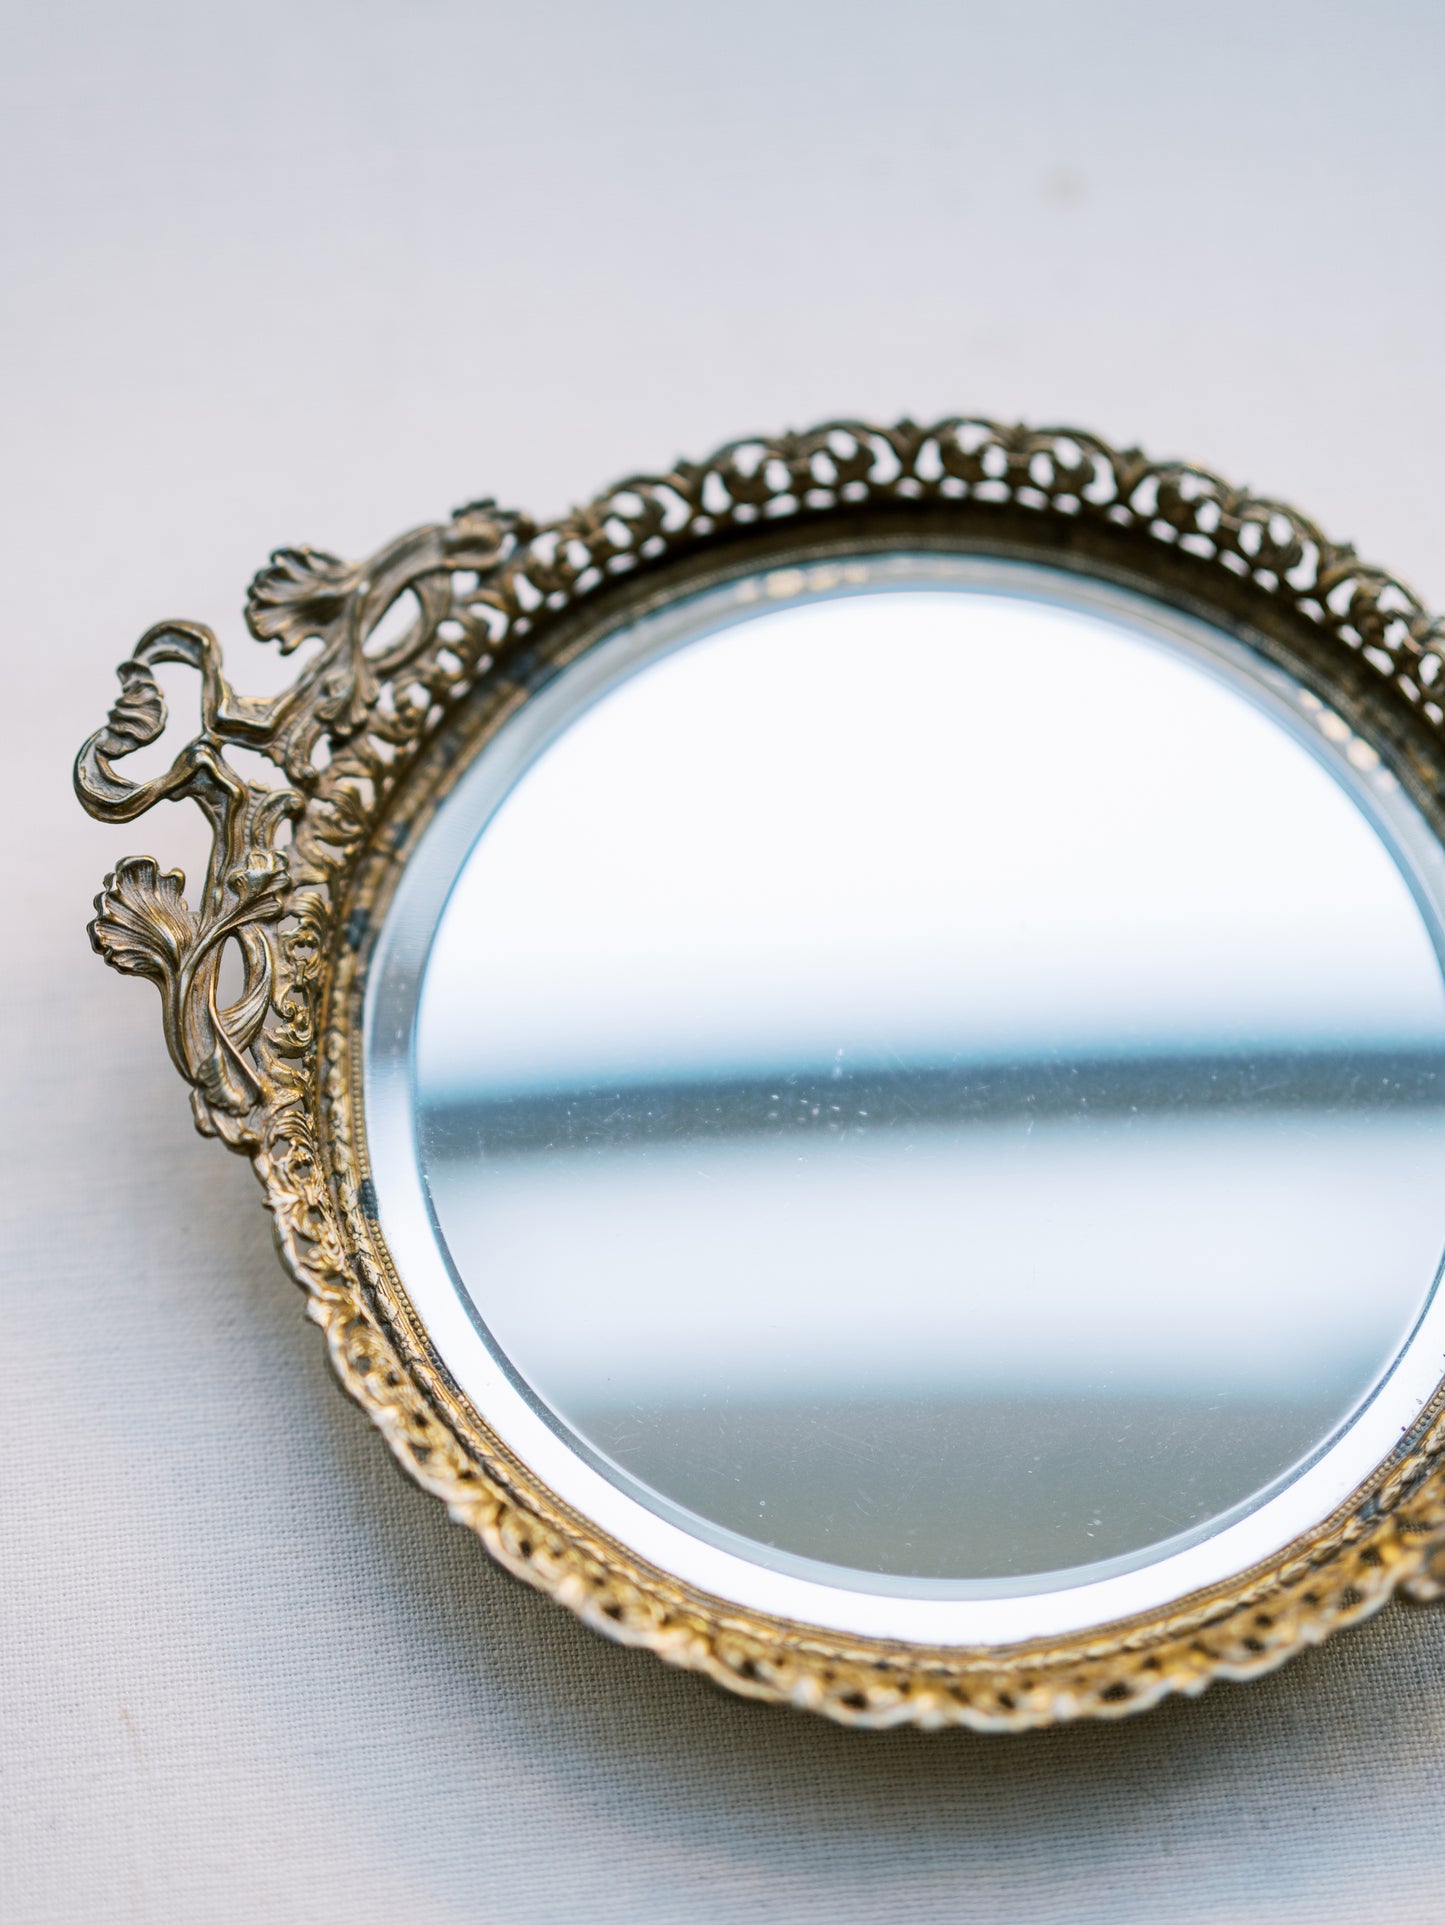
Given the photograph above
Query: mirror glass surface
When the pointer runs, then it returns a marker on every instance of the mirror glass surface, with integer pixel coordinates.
(940, 1081)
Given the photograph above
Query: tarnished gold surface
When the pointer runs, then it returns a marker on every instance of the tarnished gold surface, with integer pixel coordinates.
(369, 737)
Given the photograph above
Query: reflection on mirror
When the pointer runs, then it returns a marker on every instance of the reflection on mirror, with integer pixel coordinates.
(944, 1082)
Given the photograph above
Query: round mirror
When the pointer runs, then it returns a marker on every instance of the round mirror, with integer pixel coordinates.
(864, 1100)
(933, 1077)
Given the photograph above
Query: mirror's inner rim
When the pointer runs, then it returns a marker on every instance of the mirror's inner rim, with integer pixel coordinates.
(714, 1560)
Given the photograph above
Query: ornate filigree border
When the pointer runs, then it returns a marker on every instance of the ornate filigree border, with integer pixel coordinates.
(410, 659)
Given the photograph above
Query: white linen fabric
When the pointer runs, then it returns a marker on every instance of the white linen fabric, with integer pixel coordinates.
(317, 271)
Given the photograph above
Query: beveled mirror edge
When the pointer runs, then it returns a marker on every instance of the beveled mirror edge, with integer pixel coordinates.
(299, 872)
(848, 1601)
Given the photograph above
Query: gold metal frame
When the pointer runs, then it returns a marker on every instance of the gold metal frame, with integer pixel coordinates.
(417, 656)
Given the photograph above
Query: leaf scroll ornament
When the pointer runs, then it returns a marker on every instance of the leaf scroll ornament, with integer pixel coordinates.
(301, 594)
(143, 926)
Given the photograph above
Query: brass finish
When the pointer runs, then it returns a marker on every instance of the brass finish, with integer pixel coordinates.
(368, 739)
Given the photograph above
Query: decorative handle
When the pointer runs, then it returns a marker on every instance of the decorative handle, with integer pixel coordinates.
(244, 1058)
(144, 925)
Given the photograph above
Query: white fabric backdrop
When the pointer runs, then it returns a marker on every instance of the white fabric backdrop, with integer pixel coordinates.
(313, 272)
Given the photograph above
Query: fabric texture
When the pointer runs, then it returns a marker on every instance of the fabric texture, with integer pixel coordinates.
(316, 273)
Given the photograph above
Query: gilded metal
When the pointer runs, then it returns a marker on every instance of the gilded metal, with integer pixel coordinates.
(416, 657)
